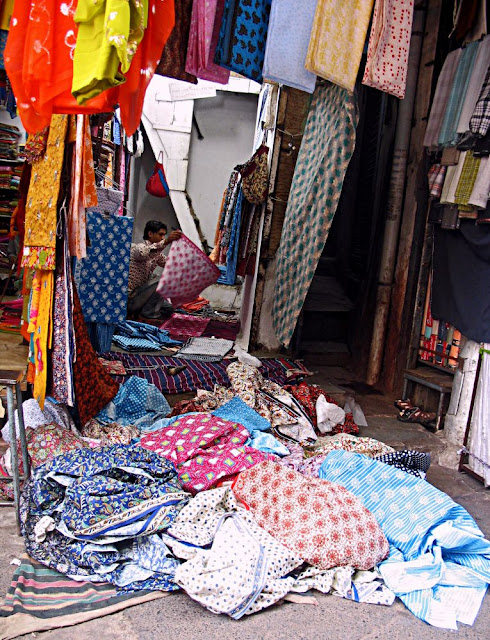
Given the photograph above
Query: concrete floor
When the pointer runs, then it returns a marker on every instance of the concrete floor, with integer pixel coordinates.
(177, 616)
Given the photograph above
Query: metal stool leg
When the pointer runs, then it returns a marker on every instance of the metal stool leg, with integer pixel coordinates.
(22, 434)
(13, 451)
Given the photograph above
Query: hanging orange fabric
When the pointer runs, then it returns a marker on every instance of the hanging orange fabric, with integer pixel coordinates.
(161, 21)
(39, 63)
(38, 60)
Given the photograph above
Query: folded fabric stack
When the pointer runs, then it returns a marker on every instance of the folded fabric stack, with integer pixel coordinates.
(139, 336)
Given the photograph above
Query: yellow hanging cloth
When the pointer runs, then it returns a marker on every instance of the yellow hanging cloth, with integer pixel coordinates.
(337, 40)
(41, 326)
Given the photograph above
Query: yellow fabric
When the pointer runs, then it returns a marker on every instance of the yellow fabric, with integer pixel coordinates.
(6, 10)
(42, 200)
(337, 40)
(108, 36)
(40, 326)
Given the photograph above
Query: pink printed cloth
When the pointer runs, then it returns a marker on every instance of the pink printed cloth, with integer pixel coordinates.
(389, 45)
(203, 38)
(181, 326)
(322, 522)
(205, 449)
(187, 272)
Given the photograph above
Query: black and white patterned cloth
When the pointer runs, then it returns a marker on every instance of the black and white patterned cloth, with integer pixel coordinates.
(413, 462)
(480, 120)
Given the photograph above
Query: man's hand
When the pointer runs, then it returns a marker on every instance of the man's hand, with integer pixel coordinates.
(175, 235)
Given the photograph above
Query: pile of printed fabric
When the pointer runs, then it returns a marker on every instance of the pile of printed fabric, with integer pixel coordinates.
(244, 497)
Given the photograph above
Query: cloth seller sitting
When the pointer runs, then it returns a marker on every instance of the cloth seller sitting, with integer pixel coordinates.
(145, 257)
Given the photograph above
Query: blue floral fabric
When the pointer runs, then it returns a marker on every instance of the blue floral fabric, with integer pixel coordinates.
(242, 38)
(137, 403)
(235, 410)
(436, 547)
(108, 506)
(102, 277)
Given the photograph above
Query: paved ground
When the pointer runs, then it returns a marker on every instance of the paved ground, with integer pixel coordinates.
(177, 616)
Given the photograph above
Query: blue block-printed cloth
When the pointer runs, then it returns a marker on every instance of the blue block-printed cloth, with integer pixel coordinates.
(137, 403)
(102, 277)
(108, 506)
(439, 562)
(139, 336)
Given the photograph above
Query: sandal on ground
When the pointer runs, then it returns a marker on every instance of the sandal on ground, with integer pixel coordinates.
(417, 415)
(403, 405)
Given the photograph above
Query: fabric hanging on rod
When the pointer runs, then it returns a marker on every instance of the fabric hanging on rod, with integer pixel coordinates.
(40, 328)
(39, 63)
(94, 388)
(480, 120)
(172, 62)
(389, 45)
(441, 97)
(324, 155)
(467, 179)
(453, 174)
(447, 135)
(38, 60)
(475, 85)
(107, 39)
(479, 436)
(203, 39)
(102, 277)
(42, 200)
(286, 48)
(242, 37)
(337, 40)
(461, 279)
(64, 350)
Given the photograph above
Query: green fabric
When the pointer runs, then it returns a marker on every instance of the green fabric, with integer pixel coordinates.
(327, 147)
(108, 36)
(467, 179)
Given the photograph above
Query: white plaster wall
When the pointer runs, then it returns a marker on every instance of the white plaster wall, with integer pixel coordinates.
(227, 123)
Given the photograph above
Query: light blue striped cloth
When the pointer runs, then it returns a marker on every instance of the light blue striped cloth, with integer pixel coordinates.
(448, 135)
(288, 37)
(439, 561)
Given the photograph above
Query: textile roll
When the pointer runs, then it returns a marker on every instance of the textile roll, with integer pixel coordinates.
(447, 134)
(187, 272)
(467, 179)
(337, 40)
(286, 48)
(441, 96)
(453, 174)
(475, 85)
(242, 37)
(327, 147)
(389, 44)
(203, 38)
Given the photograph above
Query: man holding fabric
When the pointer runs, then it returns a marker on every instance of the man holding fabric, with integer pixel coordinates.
(145, 257)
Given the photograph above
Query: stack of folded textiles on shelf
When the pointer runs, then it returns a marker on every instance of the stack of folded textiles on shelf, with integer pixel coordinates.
(9, 141)
(11, 316)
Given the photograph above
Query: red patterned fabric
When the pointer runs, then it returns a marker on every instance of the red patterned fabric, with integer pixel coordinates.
(181, 326)
(94, 387)
(205, 449)
(307, 395)
(322, 522)
(187, 272)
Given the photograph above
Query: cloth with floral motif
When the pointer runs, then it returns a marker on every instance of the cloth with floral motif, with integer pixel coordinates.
(42, 200)
(102, 277)
(112, 433)
(120, 494)
(206, 449)
(321, 521)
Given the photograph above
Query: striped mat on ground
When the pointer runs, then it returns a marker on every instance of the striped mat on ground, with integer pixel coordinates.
(39, 599)
(197, 375)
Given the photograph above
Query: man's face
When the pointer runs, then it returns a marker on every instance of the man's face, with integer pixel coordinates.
(157, 236)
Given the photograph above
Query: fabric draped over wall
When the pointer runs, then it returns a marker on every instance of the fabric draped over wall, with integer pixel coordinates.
(327, 147)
